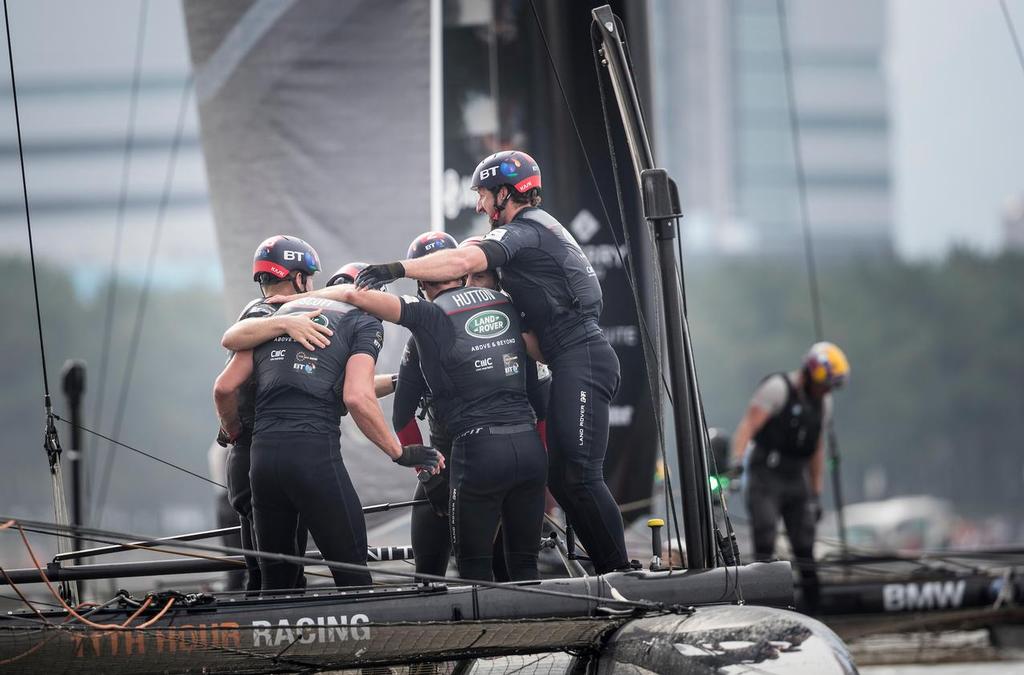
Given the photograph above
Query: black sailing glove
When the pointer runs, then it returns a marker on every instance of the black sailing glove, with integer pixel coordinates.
(375, 276)
(223, 440)
(418, 456)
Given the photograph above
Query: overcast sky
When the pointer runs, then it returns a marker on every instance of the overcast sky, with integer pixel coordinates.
(957, 101)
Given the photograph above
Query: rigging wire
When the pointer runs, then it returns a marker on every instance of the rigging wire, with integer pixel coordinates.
(387, 506)
(28, 217)
(38, 602)
(653, 346)
(126, 165)
(1013, 34)
(141, 452)
(698, 401)
(812, 272)
(629, 269)
(51, 441)
(113, 537)
(801, 178)
(140, 312)
(703, 425)
(71, 610)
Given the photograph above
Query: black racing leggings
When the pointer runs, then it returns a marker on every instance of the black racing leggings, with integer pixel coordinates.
(431, 539)
(302, 475)
(431, 542)
(774, 493)
(240, 496)
(226, 517)
(497, 476)
(584, 379)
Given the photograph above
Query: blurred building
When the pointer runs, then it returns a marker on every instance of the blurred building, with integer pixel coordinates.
(1013, 224)
(75, 94)
(722, 117)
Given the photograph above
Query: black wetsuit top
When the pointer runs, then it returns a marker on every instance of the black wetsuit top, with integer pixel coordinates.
(258, 308)
(301, 391)
(549, 278)
(794, 430)
(237, 465)
(472, 357)
(412, 393)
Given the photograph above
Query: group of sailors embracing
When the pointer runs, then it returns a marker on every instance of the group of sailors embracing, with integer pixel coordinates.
(506, 355)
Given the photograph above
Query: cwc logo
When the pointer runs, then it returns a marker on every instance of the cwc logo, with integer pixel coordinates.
(487, 324)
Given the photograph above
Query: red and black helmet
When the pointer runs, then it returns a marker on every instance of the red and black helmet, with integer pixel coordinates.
(347, 273)
(281, 255)
(430, 242)
(511, 167)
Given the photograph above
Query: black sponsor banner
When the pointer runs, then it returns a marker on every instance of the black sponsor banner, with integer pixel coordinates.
(290, 149)
(910, 595)
(500, 93)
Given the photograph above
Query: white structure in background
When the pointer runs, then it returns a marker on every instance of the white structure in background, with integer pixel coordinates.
(74, 74)
(723, 127)
(1013, 224)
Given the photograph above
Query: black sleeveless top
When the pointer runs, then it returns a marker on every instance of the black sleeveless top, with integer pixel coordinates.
(301, 391)
(472, 356)
(548, 277)
(794, 430)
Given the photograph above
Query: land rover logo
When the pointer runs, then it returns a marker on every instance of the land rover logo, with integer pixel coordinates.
(320, 319)
(487, 324)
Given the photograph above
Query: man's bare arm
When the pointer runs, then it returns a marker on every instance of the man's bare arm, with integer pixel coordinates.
(446, 265)
(250, 333)
(382, 305)
(752, 421)
(383, 385)
(533, 347)
(362, 405)
(225, 391)
(817, 466)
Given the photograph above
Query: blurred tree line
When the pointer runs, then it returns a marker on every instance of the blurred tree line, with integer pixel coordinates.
(935, 394)
(937, 356)
(168, 409)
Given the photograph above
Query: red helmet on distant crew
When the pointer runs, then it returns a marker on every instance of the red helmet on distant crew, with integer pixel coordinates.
(430, 242)
(279, 256)
(347, 273)
(513, 168)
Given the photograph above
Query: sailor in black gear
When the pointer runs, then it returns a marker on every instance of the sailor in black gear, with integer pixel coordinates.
(430, 531)
(302, 260)
(227, 516)
(431, 540)
(239, 489)
(538, 389)
(473, 358)
(784, 467)
(557, 291)
(296, 469)
(538, 375)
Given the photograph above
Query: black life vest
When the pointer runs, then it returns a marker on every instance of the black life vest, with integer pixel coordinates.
(481, 378)
(794, 430)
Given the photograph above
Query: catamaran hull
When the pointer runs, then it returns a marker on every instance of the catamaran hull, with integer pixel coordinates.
(393, 625)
